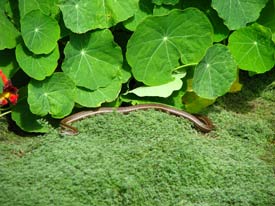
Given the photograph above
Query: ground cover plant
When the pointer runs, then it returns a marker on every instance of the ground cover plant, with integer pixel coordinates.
(71, 54)
(151, 158)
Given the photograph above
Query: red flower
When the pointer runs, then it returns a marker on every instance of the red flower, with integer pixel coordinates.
(9, 94)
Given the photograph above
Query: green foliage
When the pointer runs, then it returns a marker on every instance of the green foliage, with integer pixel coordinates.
(34, 121)
(164, 90)
(216, 66)
(56, 94)
(87, 54)
(160, 42)
(129, 51)
(8, 32)
(39, 32)
(252, 48)
(82, 16)
(36, 66)
(238, 13)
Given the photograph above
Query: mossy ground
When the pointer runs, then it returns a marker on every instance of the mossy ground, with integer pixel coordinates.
(151, 158)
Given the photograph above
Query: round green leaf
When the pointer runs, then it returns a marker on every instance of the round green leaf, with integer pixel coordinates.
(40, 32)
(164, 90)
(37, 66)
(88, 98)
(159, 42)
(23, 117)
(83, 15)
(8, 33)
(92, 60)
(215, 74)
(253, 48)
(237, 13)
(54, 95)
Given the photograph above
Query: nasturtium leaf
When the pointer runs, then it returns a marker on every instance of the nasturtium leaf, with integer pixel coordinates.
(164, 90)
(40, 32)
(54, 95)
(48, 7)
(83, 15)
(253, 48)
(215, 74)
(237, 13)
(37, 66)
(8, 62)
(145, 9)
(8, 33)
(92, 60)
(24, 118)
(174, 100)
(88, 98)
(159, 42)
(171, 2)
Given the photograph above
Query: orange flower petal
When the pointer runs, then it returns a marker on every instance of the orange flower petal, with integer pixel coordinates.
(4, 78)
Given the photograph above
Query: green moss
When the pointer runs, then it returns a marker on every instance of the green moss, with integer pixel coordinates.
(144, 158)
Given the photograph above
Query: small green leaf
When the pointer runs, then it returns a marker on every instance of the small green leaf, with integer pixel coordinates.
(174, 100)
(92, 60)
(48, 7)
(253, 48)
(37, 66)
(8, 62)
(8, 33)
(237, 13)
(164, 90)
(159, 42)
(215, 74)
(23, 117)
(40, 32)
(170, 2)
(83, 15)
(54, 95)
(88, 98)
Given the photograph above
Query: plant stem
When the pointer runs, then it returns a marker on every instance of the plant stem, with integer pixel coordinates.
(186, 65)
(3, 114)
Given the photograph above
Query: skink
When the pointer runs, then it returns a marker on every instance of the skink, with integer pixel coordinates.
(200, 122)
